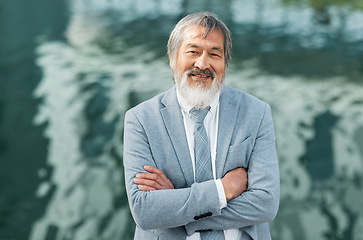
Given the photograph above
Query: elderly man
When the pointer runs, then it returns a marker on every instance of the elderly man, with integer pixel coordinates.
(200, 159)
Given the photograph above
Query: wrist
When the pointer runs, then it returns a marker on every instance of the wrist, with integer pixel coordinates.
(226, 190)
(221, 194)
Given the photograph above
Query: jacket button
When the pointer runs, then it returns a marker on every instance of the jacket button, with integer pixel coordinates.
(209, 214)
(196, 218)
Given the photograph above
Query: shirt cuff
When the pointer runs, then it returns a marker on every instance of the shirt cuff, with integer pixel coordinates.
(221, 194)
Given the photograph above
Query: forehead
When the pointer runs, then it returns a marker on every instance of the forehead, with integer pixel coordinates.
(196, 35)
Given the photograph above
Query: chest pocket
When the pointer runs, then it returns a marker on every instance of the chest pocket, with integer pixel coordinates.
(238, 155)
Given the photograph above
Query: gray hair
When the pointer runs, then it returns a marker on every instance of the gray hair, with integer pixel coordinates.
(209, 22)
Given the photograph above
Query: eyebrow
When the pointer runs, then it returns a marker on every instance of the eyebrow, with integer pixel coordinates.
(191, 45)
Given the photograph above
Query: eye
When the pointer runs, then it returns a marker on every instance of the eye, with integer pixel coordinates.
(215, 55)
(192, 52)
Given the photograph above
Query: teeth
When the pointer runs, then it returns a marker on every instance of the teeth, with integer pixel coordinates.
(201, 76)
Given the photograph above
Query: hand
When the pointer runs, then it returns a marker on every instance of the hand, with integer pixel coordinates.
(235, 183)
(153, 180)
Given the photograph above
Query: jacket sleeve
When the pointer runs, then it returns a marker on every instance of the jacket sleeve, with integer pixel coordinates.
(162, 208)
(259, 204)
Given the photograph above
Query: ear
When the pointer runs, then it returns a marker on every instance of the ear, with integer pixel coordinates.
(171, 62)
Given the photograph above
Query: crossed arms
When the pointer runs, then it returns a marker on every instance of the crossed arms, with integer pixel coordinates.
(158, 200)
(234, 182)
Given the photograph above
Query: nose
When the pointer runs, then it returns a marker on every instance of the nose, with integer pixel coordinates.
(202, 62)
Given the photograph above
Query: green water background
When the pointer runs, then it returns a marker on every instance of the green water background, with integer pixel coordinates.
(70, 69)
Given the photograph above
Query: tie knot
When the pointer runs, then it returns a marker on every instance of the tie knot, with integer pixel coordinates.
(198, 115)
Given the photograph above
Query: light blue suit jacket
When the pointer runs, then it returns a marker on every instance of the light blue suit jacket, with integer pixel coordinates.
(154, 135)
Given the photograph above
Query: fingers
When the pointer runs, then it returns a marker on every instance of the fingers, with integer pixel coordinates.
(238, 173)
(151, 179)
(235, 183)
(150, 185)
(147, 182)
(156, 171)
(154, 179)
(160, 177)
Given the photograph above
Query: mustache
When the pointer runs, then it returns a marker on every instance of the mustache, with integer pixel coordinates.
(199, 71)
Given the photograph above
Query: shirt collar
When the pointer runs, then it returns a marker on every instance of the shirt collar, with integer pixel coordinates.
(187, 107)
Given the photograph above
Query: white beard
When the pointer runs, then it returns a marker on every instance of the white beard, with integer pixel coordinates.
(198, 96)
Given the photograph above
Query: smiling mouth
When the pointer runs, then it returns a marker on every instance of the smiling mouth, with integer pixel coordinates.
(200, 77)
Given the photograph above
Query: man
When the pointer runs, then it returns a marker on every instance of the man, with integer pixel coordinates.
(189, 150)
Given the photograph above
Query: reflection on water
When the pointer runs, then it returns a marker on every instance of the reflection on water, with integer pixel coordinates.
(114, 58)
(84, 108)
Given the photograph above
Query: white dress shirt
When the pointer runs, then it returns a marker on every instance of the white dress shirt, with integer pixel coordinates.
(211, 126)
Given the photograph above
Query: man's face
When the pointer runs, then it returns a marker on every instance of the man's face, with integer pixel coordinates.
(202, 58)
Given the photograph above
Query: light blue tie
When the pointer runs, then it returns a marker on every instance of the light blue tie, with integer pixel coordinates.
(203, 162)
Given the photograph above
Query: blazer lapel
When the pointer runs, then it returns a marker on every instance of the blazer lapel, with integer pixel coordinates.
(174, 124)
(228, 108)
